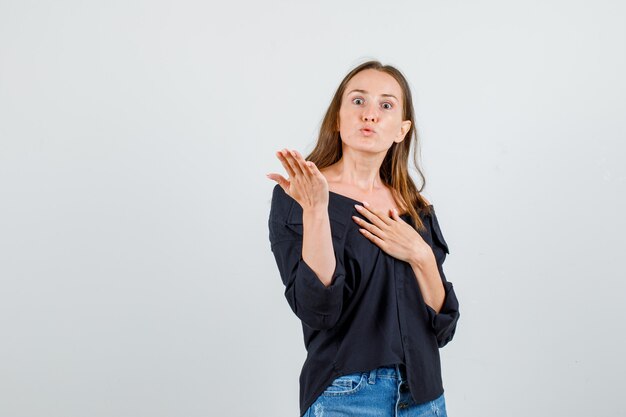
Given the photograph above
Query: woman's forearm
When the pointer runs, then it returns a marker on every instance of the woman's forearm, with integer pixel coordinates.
(317, 244)
(429, 281)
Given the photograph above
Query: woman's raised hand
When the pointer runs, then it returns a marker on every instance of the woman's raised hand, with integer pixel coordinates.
(306, 184)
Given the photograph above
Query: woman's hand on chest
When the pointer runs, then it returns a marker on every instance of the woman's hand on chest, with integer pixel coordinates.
(393, 235)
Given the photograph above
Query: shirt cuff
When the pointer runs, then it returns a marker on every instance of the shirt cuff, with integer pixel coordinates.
(321, 304)
(444, 322)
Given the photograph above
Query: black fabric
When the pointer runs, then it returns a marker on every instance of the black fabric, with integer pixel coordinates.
(372, 314)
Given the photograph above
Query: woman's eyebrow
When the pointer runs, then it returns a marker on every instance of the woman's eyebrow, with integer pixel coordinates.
(365, 92)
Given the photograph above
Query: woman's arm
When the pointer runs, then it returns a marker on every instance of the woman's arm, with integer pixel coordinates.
(444, 319)
(317, 246)
(430, 283)
(316, 304)
(305, 254)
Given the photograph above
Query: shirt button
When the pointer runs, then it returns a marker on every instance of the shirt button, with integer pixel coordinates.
(404, 387)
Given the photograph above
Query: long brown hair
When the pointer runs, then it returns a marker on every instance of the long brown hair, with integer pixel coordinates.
(394, 170)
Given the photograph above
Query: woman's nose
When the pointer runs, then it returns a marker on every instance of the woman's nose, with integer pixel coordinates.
(369, 115)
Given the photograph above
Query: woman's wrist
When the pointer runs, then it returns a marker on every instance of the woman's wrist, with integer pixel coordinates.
(423, 258)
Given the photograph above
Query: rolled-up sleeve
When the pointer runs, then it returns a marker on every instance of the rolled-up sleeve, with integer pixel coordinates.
(443, 323)
(316, 305)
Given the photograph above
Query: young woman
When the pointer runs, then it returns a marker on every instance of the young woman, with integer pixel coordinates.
(360, 252)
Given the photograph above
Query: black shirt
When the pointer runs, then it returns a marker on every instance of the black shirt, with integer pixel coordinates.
(372, 314)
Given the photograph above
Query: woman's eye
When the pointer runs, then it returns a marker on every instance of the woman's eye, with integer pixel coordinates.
(360, 100)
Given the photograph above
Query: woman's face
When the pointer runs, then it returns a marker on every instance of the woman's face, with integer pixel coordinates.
(372, 99)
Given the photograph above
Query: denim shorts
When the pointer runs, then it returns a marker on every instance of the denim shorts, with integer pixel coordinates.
(381, 392)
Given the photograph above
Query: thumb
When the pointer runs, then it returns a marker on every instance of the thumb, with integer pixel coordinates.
(282, 181)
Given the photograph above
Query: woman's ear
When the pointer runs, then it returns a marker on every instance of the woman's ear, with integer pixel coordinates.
(404, 129)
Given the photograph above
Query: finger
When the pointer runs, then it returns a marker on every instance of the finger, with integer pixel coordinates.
(376, 216)
(395, 215)
(373, 238)
(283, 160)
(308, 165)
(306, 169)
(314, 169)
(282, 181)
(370, 227)
(295, 165)
(383, 217)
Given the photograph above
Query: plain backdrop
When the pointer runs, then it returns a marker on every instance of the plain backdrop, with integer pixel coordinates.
(136, 277)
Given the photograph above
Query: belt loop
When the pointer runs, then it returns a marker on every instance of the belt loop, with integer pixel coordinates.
(372, 378)
(399, 372)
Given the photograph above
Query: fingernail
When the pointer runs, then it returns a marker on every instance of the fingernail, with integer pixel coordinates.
(366, 204)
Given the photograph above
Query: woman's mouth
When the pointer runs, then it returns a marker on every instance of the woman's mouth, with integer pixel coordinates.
(367, 132)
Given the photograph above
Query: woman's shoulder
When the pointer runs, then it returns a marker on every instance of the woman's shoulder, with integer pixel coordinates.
(281, 203)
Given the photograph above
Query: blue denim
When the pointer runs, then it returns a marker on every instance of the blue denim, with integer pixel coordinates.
(381, 392)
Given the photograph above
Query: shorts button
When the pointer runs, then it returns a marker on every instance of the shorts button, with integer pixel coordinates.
(403, 405)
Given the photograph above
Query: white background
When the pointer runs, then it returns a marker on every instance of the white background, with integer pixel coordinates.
(136, 276)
